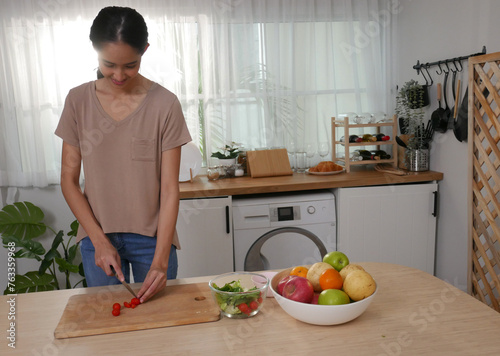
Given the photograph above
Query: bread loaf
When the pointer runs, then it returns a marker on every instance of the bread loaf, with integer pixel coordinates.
(326, 166)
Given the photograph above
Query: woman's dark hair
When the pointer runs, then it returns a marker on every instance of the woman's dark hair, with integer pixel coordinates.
(119, 24)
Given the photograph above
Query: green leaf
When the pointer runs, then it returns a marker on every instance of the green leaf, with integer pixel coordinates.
(57, 240)
(31, 282)
(66, 266)
(72, 253)
(81, 271)
(25, 248)
(47, 260)
(74, 228)
(23, 220)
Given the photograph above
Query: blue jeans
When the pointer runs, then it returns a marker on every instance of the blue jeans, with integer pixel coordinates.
(135, 250)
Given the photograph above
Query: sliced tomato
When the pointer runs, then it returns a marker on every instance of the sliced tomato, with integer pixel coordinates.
(127, 305)
(135, 301)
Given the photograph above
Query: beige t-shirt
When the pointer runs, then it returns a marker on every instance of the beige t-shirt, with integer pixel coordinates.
(122, 159)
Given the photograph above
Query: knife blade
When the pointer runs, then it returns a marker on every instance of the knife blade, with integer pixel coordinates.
(124, 283)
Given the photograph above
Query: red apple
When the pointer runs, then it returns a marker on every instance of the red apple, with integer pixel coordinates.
(299, 289)
(315, 298)
(281, 284)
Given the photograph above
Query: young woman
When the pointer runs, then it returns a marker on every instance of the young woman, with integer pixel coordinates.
(128, 132)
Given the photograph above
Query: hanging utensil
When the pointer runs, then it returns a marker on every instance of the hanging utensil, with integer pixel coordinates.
(456, 104)
(447, 112)
(451, 122)
(437, 116)
(460, 129)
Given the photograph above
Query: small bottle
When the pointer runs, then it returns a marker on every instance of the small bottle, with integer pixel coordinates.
(369, 138)
(352, 138)
(355, 156)
(380, 154)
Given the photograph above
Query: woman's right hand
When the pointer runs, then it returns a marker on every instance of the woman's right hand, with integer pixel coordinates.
(106, 256)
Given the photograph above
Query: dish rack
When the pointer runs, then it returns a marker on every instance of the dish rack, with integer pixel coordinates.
(346, 126)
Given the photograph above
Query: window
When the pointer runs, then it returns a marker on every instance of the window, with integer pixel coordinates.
(260, 73)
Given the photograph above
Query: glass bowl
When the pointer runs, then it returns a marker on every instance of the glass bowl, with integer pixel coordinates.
(243, 303)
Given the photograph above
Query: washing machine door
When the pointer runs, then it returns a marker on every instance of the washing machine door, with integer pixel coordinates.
(256, 261)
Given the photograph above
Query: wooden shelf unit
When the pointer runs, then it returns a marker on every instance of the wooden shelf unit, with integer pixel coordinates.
(346, 126)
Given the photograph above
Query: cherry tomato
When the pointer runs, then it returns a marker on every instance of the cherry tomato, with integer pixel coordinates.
(244, 308)
(126, 305)
(116, 312)
(253, 305)
(259, 300)
(117, 306)
(135, 301)
(133, 305)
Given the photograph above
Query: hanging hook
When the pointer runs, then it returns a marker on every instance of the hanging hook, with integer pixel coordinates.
(452, 70)
(423, 74)
(448, 68)
(459, 62)
(428, 74)
(440, 69)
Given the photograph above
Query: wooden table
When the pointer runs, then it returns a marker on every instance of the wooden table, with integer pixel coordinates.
(413, 313)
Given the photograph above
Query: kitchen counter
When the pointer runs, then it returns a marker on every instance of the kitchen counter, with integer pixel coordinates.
(201, 187)
(413, 313)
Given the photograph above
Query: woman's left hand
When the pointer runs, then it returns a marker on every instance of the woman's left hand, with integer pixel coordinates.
(155, 281)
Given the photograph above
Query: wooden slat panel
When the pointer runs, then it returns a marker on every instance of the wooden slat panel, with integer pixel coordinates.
(484, 180)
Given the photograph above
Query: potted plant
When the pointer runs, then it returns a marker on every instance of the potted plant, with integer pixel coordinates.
(410, 102)
(20, 225)
(227, 155)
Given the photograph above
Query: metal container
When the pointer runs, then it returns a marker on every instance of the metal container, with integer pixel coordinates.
(417, 160)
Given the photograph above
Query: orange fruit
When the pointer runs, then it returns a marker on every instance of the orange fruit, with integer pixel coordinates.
(300, 271)
(330, 279)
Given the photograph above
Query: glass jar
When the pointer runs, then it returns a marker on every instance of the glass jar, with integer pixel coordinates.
(213, 173)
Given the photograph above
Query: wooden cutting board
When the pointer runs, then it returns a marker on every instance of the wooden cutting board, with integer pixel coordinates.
(90, 313)
(269, 163)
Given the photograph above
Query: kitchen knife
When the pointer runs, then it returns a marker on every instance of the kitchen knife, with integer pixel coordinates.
(124, 283)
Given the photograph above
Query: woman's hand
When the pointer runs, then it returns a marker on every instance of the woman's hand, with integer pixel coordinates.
(105, 256)
(155, 281)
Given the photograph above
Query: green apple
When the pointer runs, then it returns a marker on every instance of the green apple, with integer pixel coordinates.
(333, 297)
(336, 259)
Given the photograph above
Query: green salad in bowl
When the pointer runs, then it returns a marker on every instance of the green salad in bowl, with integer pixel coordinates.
(237, 295)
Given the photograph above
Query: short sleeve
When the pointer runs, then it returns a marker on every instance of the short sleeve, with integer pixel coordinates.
(175, 132)
(67, 128)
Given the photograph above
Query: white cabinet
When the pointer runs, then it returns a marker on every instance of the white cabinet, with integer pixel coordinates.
(205, 234)
(395, 224)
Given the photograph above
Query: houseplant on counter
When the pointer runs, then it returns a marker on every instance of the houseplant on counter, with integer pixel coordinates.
(20, 225)
(227, 155)
(409, 106)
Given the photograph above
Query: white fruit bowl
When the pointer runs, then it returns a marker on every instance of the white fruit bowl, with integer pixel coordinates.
(319, 314)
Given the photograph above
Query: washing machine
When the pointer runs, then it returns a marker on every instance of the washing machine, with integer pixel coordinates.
(275, 231)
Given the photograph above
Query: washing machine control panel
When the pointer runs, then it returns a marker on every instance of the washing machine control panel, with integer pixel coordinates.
(284, 213)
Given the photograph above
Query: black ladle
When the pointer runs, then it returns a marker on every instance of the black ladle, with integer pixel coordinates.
(401, 142)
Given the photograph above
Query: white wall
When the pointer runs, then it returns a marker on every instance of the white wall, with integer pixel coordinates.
(429, 31)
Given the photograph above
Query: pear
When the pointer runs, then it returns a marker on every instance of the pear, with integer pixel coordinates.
(349, 268)
(359, 285)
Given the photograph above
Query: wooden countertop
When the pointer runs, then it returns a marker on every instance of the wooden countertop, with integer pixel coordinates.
(202, 187)
(413, 313)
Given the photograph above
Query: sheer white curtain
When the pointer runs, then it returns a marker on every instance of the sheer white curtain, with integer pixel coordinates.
(263, 73)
